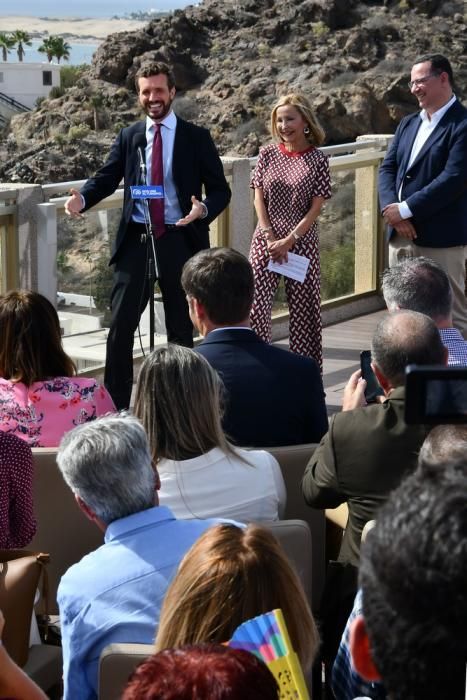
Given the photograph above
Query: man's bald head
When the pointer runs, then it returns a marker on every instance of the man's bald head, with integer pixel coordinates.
(406, 338)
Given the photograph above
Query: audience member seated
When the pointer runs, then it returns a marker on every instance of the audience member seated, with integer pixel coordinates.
(178, 400)
(274, 397)
(115, 593)
(369, 449)
(420, 284)
(14, 683)
(444, 444)
(413, 579)
(40, 395)
(17, 521)
(230, 575)
(204, 672)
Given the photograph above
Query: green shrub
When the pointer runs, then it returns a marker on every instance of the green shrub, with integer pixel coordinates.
(69, 75)
(338, 271)
(78, 132)
(56, 91)
(319, 29)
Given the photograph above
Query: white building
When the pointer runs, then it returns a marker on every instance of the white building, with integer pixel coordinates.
(24, 83)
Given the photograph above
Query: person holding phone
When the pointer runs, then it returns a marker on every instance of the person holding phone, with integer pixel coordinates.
(373, 390)
(369, 449)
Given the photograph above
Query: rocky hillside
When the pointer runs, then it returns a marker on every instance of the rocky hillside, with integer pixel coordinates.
(231, 59)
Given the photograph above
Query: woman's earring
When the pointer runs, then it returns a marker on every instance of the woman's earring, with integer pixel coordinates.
(306, 131)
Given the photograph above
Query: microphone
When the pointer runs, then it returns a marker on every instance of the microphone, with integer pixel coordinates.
(139, 142)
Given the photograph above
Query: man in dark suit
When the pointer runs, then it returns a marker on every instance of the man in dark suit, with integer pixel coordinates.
(188, 160)
(273, 397)
(423, 179)
(369, 449)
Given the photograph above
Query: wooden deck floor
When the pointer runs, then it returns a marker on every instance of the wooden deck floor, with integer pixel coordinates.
(342, 344)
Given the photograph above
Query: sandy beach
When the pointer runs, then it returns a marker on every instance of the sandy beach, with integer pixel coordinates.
(91, 29)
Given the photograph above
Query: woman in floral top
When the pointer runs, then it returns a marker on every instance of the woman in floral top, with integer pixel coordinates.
(41, 398)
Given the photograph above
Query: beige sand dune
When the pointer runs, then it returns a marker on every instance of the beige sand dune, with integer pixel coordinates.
(69, 28)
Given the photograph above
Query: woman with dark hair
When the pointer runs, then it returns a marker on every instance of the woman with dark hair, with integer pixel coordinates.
(204, 672)
(41, 397)
(178, 401)
(231, 575)
(291, 181)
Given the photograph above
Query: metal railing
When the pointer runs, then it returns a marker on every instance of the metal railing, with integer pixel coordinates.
(352, 248)
(11, 102)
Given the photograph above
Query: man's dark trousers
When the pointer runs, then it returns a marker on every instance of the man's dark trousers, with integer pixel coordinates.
(130, 295)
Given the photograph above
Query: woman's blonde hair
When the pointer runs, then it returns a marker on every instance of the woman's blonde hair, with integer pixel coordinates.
(31, 344)
(231, 575)
(179, 402)
(300, 102)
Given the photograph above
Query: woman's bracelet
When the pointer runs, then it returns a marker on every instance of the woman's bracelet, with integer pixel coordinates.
(295, 235)
(266, 229)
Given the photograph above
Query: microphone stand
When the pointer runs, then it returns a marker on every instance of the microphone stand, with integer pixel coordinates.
(148, 238)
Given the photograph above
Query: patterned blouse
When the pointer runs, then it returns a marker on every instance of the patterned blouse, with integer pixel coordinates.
(289, 181)
(17, 521)
(43, 412)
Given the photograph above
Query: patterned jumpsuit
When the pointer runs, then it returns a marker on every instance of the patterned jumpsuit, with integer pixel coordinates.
(289, 181)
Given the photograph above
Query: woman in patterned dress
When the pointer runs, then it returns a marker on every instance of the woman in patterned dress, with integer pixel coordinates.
(291, 182)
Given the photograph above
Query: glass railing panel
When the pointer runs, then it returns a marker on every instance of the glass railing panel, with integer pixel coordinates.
(337, 238)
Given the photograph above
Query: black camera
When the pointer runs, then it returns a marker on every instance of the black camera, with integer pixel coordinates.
(435, 395)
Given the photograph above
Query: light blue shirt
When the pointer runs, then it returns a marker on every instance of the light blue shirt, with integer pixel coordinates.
(172, 211)
(115, 593)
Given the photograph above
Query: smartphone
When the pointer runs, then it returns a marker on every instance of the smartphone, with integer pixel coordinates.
(373, 387)
(435, 395)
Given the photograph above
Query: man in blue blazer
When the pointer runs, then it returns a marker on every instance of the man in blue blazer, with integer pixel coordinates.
(273, 397)
(189, 162)
(423, 179)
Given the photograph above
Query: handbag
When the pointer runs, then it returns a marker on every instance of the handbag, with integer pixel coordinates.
(20, 574)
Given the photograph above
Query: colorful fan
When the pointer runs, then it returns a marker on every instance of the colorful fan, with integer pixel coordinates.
(266, 636)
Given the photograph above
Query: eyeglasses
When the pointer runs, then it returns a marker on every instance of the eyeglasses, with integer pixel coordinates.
(420, 81)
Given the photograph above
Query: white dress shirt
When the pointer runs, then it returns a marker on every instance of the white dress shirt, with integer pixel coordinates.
(427, 126)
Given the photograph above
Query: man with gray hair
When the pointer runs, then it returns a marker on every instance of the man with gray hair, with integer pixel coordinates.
(420, 284)
(114, 594)
(369, 449)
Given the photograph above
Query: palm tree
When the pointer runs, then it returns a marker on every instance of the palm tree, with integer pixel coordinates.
(22, 39)
(61, 48)
(47, 47)
(6, 43)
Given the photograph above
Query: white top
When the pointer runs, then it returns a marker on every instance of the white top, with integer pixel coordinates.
(219, 485)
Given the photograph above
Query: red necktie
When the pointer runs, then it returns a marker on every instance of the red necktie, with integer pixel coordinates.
(157, 178)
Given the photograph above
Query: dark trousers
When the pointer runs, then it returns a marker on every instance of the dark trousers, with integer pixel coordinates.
(130, 295)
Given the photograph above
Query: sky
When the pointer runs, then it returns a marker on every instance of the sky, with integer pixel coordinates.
(84, 8)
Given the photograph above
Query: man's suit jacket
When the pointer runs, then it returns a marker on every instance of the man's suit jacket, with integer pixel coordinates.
(435, 185)
(365, 455)
(273, 397)
(195, 163)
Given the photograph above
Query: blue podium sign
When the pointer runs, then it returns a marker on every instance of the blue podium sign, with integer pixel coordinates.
(147, 191)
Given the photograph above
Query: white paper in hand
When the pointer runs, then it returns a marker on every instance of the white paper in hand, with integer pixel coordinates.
(295, 268)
